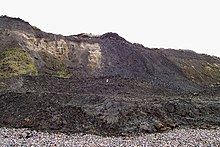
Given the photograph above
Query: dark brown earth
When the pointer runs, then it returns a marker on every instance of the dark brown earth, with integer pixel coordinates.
(102, 84)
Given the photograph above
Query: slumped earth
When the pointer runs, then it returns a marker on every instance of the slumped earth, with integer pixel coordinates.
(102, 84)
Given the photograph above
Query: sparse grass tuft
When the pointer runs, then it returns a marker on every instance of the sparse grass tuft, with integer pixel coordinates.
(63, 74)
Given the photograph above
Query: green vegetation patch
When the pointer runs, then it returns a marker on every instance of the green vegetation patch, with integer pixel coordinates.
(55, 66)
(16, 62)
(63, 74)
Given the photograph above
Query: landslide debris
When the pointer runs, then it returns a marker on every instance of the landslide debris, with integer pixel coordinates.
(102, 84)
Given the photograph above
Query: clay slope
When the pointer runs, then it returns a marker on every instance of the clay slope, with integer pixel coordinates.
(101, 84)
(85, 55)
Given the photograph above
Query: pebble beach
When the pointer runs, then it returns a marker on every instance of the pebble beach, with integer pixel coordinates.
(178, 137)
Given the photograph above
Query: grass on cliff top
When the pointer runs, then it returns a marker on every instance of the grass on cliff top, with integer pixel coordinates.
(16, 62)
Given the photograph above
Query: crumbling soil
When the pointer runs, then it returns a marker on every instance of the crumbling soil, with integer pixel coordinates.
(117, 107)
(105, 85)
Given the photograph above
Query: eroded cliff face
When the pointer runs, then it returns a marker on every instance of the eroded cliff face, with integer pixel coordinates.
(81, 57)
(85, 55)
(101, 84)
(201, 69)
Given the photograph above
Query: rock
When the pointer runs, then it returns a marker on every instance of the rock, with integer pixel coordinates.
(111, 119)
(205, 126)
(57, 122)
(195, 94)
(145, 127)
(26, 134)
(158, 125)
(27, 123)
(170, 107)
(169, 122)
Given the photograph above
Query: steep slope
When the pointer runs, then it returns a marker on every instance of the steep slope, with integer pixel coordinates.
(199, 68)
(91, 56)
(101, 84)
(86, 55)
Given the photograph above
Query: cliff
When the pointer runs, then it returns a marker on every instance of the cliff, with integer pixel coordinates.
(101, 84)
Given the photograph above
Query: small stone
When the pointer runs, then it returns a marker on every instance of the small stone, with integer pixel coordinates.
(205, 126)
(27, 123)
(24, 135)
(170, 107)
(195, 94)
(145, 127)
(165, 128)
(169, 122)
(158, 125)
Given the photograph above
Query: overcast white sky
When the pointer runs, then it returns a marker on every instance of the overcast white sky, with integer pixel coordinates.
(178, 24)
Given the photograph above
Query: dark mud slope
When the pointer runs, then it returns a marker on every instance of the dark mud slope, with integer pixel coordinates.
(118, 107)
(102, 84)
